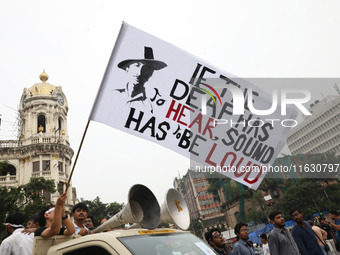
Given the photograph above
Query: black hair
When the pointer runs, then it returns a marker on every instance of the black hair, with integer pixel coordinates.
(294, 210)
(272, 215)
(264, 236)
(34, 218)
(238, 227)
(310, 222)
(335, 212)
(41, 215)
(92, 218)
(15, 218)
(208, 235)
(80, 205)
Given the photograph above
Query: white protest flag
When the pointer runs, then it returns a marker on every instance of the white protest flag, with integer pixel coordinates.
(161, 93)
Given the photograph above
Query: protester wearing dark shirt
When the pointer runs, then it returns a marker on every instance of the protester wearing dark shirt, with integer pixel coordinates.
(335, 215)
(336, 225)
(304, 235)
(42, 229)
(280, 239)
(217, 242)
(50, 220)
(331, 240)
(323, 225)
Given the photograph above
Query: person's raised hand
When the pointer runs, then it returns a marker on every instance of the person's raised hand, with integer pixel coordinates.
(61, 200)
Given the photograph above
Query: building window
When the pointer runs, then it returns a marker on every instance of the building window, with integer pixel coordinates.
(60, 121)
(41, 124)
(36, 166)
(47, 195)
(60, 166)
(46, 165)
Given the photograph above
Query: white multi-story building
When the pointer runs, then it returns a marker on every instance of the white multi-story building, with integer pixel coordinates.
(43, 148)
(319, 132)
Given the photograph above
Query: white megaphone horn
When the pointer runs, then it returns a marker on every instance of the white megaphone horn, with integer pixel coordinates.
(175, 210)
(142, 208)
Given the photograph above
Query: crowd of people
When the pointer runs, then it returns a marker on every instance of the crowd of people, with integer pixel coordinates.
(318, 237)
(50, 221)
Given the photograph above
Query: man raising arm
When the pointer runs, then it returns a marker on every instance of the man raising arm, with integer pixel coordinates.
(50, 219)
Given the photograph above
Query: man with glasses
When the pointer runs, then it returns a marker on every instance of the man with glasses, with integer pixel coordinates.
(280, 239)
(89, 222)
(217, 242)
(242, 247)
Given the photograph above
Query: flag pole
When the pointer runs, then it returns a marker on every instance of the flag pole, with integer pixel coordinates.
(75, 161)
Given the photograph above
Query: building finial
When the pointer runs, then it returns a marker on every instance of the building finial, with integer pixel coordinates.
(43, 76)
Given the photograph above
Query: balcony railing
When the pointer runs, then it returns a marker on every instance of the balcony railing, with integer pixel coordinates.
(42, 174)
(45, 138)
(10, 144)
(36, 139)
(8, 179)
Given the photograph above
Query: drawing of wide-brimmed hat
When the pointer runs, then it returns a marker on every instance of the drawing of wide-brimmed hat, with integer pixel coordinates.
(148, 60)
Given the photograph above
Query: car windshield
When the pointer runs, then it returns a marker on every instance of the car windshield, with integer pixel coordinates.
(166, 244)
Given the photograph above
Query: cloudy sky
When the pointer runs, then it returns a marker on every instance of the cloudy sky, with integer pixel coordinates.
(72, 40)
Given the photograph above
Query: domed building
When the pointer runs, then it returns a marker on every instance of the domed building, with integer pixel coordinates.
(43, 148)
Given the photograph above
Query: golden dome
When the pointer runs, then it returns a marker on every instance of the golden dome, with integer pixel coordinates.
(43, 76)
(42, 88)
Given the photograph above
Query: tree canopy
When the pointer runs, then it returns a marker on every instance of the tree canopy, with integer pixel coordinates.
(99, 210)
(27, 199)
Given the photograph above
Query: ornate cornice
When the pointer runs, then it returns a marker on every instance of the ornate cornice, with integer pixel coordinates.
(38, 149)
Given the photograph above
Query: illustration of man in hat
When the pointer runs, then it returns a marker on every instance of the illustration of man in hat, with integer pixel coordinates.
(140, 71)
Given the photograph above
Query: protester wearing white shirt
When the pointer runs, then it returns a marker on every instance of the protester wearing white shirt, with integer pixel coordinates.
(17, 243)
(265, 246)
